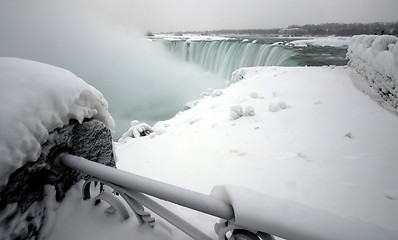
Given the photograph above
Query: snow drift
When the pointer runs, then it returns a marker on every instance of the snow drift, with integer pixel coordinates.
(36, 99)
(376, 58)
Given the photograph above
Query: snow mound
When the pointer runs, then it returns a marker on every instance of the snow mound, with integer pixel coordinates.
(211, 92)
(136, 130)
(376, 58)
(36, 99)
(236, 112)
(249, 111)
(238, 75)
(275, 107)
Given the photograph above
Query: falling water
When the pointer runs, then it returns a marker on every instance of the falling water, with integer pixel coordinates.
(223, 57)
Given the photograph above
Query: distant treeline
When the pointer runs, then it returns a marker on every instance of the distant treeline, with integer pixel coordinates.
(325, 29)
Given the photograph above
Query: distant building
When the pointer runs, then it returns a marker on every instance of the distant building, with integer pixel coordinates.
(292, 31)
(149, 34)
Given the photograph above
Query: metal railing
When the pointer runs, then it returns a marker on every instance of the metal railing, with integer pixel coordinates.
(134, 190)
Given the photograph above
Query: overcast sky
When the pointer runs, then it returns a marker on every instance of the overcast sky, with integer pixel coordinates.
(182, 15)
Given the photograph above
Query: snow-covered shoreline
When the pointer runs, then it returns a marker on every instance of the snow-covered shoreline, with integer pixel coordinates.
(320, 151)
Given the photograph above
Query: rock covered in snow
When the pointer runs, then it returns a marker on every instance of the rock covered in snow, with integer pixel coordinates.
(191, 104)
(211, 92)
(376, 58)
(37, 99)
(216, 93)
(254, 95)
(23, 211)
(238, 75)
(282, 104)
(249, 111)
(274, 107)
(136, 130)
(236, 112)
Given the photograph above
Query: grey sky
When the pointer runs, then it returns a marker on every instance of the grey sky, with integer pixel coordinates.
(180, 15)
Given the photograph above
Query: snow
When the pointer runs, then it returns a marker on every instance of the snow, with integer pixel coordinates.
(36, 99)
(136, 130)
(291, 220)
(34, 212)
(376, 59)
(322, 42)
(332, 149)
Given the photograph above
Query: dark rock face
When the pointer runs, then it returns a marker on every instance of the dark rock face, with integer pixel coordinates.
(91, 140)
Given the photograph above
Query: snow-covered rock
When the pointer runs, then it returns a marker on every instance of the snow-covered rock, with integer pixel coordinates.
(282, 104)
(249, 111)
(33, 192)
(237, 75)
(36, 99)
(236, 112)
(273, 107)
(136, 130)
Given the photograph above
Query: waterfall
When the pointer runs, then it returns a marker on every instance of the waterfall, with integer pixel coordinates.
(225, 56)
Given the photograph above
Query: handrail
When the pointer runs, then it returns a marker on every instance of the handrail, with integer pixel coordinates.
(184, 197)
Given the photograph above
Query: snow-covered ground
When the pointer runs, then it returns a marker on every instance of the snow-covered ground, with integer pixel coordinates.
(321, 42)
(306, 134)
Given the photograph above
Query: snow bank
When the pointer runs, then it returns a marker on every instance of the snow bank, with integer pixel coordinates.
(36, 99)
(376, 58)
(321, 42)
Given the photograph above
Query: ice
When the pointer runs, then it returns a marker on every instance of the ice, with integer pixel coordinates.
(36, 99)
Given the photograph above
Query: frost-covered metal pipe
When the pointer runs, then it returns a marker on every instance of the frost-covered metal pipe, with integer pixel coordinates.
(184, 197)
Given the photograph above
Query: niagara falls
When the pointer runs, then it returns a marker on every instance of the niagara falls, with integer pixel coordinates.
(199, 120)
